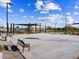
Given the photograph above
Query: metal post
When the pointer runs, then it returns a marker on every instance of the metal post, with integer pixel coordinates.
(5, 38)
(40, 27)
(7, 24)
(13, 28)
(7, 18)
(45, 28)
(10, 27)
(66, 26)
(55, 27)
(35, 28)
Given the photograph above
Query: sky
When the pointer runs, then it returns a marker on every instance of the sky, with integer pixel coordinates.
(46, 12)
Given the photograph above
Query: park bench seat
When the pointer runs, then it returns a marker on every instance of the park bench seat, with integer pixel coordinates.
(23, 44)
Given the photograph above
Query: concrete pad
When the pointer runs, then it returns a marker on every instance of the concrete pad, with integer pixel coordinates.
(50, 46)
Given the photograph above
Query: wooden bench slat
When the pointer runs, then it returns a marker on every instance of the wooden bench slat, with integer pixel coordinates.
(23, 44)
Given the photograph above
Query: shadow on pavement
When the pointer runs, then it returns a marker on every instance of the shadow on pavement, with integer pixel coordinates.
(10, 47)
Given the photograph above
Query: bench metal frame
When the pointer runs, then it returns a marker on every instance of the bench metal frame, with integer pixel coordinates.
(23, 44)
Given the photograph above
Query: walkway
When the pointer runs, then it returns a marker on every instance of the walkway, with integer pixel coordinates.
(11, 51)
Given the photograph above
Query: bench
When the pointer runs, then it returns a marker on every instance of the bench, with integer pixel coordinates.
(23, 44)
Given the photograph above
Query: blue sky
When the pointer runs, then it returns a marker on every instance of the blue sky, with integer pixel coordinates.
(47, 12)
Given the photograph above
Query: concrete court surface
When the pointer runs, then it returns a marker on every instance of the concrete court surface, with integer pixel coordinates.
(49, 46)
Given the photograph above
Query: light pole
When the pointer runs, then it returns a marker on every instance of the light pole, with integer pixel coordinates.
(40, 27)
(55, 27)
(66, 29)
(7, 24)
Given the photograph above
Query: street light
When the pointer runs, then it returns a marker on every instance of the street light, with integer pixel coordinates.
(66, 25)
(55, 27)
(7, 24)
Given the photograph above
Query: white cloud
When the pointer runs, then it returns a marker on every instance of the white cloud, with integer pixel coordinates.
(52, 6)
(44, 12)
(68, 13)
(32, 16)
(76, 7)
(24, 16)
(70, 19)
(46, 2)
(46, 6)
(14, 15)
(52, 18)
(39, 5)
(76, 13)
(28, 4)
(2, 23)
(9, 10)
(3, 3)
(57, 18)
(40, 18)
(0, 20)
(21, 10)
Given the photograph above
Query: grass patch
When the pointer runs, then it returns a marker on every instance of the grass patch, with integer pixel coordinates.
(1, 48)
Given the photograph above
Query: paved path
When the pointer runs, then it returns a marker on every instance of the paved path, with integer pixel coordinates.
(11, 51)
(12, 55)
